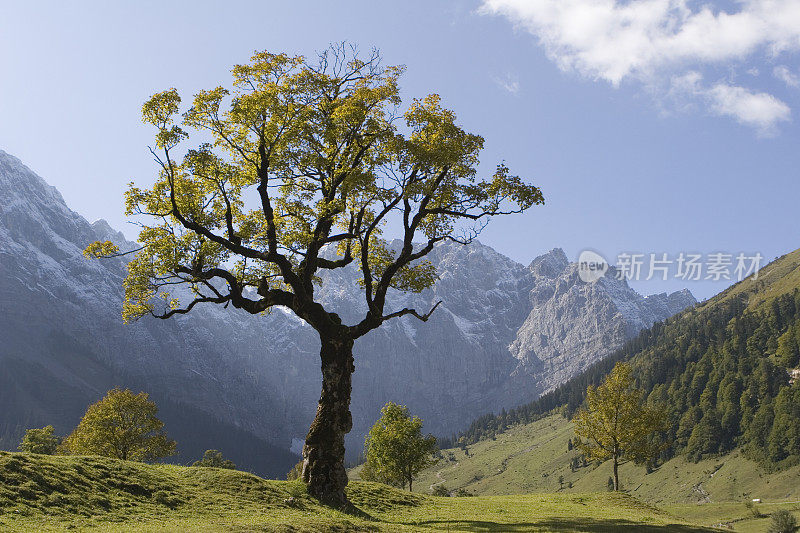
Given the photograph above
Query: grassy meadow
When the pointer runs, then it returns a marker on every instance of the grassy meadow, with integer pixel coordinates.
(54, 493)
(534, 458)
(514, 480)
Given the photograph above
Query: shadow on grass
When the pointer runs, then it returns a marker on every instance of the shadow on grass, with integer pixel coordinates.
(354, 511)
(589, 525)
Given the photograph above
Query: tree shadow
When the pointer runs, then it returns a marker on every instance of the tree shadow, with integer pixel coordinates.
(589, 525)
(355, 512)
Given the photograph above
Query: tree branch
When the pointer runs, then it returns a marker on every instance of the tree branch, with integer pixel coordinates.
(412, 312)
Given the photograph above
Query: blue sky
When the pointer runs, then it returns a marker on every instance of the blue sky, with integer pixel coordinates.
(652, 126)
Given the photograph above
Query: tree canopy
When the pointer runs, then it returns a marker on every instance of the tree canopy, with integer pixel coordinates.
(395, 448)
(122, 425)
(304, 156)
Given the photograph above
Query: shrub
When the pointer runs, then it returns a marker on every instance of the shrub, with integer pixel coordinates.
(40, 441)
(440, 490)
(753, 509)
(296, 472)
(214, 459)
(167, 499)
(782, 522)
(297, 490)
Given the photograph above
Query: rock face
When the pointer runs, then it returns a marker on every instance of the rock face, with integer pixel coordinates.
(504, 334)
(573, 324)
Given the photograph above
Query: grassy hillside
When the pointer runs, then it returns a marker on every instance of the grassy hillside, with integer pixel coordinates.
(43, 493)
(532, 457)
(782, 276)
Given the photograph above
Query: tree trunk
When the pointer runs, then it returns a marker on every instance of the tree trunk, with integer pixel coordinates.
(323, 453)
(616, 472)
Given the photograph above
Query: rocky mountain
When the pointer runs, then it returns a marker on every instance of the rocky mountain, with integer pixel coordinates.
(573, 324)
(504, 334)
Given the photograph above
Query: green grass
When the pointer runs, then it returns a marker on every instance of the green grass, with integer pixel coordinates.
(531, 458)
(43, 493)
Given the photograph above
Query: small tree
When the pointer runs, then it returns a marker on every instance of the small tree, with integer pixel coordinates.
(395, 448)
(755, 511)
(41, 441)
(122, 425)
(615, 423)
(214, 459)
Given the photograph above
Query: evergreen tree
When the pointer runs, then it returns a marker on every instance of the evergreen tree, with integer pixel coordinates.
(788, 351)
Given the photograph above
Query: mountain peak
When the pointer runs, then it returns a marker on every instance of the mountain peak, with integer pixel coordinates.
(33, 214)
(21, 187)
(551, 264)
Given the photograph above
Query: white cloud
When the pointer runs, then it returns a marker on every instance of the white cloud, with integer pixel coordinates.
(655, 41)
(508, 83)
(758, 110)
(761, 111)
(783, 73)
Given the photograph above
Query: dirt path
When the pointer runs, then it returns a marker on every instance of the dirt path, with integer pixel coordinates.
(705, 497)
(439, 477)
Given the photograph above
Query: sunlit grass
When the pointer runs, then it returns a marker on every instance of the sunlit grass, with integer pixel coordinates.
(43, 493)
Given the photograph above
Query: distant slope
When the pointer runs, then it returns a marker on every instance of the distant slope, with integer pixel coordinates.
(778, 278)
(720, 371)
(32, 395)
(43, 493)
(532, 457)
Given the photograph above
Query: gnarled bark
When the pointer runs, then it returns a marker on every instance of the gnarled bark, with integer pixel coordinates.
(323, 453)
